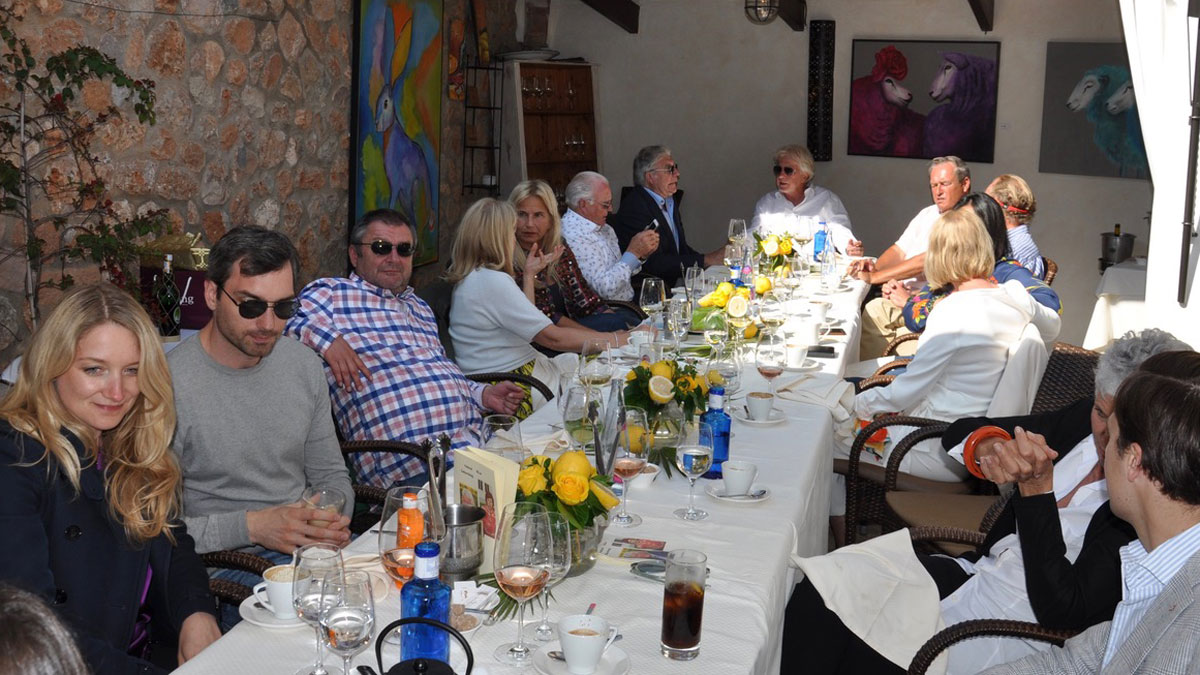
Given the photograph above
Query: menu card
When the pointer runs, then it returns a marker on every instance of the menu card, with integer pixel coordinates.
(489, 481)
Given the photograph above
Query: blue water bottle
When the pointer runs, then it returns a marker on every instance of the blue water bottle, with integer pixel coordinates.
(426, 597)
(819, 239)
(718, 420)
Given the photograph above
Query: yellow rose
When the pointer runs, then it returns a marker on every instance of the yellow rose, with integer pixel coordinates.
(571, 488)
(785, 246)
(684, 384)
(536, 460)
(605, 495)
(531, 480)
(701, 382)
(576, 462)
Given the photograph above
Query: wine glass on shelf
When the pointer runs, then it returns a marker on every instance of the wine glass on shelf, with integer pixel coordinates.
(770, 357)
(521, 559)
(693, 460)
(595, 362)
(560, 565)
(652, 299)
(347, 613)
(737, 231)
(309, 565)
(630, 460)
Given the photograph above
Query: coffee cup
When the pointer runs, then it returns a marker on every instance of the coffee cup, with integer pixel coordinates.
(738, 476)
(807, 333)
(584, 638)
(796, 353)
(277, 585)
(818, 310)
(759, 403)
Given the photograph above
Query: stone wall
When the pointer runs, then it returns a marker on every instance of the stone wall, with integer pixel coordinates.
(253, 120)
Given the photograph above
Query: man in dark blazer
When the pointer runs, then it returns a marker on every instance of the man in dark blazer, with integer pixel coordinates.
(656, 197)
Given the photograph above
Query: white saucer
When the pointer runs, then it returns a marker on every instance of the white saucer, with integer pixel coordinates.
(613, 662)
(717, 491)
(263, 617)
(809, 364)
(775, 417)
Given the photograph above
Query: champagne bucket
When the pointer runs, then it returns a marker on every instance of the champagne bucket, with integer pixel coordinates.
(462, 549)
(1115, 247)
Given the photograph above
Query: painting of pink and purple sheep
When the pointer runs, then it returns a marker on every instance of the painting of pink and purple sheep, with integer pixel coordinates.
(1090, 123)
(924, 99)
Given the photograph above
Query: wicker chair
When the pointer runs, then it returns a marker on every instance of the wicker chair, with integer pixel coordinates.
(894, 500)
(983, 628)
(371, 495)
(1051, 270)
(231, 592)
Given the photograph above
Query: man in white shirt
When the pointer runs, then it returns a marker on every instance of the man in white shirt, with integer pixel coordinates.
(798, 207)
(1151, 463)
(594, 242)
(902, 266)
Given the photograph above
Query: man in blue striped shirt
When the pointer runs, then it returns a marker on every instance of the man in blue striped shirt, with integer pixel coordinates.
(1151, 464)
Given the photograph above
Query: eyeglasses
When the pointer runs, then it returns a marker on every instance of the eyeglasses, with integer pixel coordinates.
(786, 170)
(607, 206)
(383, 248)
(670, 168)
(252, 309)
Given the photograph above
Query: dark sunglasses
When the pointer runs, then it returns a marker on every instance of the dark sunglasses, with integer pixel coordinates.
(783, 169)
(252, 309)
(383, 248)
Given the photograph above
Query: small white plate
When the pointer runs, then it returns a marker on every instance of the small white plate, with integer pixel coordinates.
(717, 491)
(261, 616)
(809, 364)
(774, 418)
(529, 55)
(613, 662)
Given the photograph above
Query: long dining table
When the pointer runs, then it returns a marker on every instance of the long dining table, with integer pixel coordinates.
(750, 549)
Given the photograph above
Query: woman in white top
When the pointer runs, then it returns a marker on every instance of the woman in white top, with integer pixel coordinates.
(492, 322)
(780, 212)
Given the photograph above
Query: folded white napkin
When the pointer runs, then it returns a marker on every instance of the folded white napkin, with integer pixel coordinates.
(828, 391)
(882, 593)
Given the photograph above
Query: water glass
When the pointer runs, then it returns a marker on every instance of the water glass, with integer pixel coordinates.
(324, 499)
(347, 613)
(311, 563)
(504, 437)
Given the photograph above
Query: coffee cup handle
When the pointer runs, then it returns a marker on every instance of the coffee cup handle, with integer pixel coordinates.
(612, 637)
(258, 595)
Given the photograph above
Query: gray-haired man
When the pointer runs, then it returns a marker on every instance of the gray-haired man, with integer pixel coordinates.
(594, 242)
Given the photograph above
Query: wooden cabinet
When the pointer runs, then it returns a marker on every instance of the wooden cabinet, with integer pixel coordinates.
(549, 123)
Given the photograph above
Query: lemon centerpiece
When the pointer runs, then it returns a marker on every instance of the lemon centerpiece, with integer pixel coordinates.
(659, 389)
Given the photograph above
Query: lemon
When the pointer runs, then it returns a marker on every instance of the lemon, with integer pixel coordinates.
(770, 245)
(630, 376)
(725, 288)
(751, 331)
(737, 306)
(744, 292)
(762, 284)
(637, 438)
(708, 300)
(716, 378)
(604, 495)
(575, 461)
(664, 368)
(720, 301)
(661, 389)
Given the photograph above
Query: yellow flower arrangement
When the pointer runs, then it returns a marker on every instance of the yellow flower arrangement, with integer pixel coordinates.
(568, 485)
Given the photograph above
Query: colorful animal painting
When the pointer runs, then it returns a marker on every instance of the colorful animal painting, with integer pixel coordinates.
(1090, 121)
(397, 110)
(956, 115)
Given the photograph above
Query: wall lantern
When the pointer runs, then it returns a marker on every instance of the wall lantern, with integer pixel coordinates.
(762, 11)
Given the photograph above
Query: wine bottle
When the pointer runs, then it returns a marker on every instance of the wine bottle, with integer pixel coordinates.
(426, 597)
(166, 294)
(718, 420)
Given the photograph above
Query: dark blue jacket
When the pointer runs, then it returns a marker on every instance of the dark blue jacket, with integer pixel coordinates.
(67, 548)
(638, 210)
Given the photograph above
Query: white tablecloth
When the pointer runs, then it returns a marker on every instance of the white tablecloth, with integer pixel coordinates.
(749, 548)
(1120, 303)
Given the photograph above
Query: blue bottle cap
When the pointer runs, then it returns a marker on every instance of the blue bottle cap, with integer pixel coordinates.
(427, 549)
(716, 389)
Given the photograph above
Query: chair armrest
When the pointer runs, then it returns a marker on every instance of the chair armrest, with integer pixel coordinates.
(236, 560)
(492, 378)
(853, 507)
(890, 349)
(873, 381)
(230, 592)
(623, 304)
(928, 429)
(984, 628)
(890, 366)
(956, 535)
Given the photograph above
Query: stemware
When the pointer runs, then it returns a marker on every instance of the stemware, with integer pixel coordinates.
(310, 564)
(725, 361)
(595, 362)
(770, 357)
(737, 231)
(679, 319)
(734, 253)
(692, 277)
(652, 298)
(560, 565)
(323, 499)
(693, 460)
(347, 613)
(630, 460)
(504, 437)
(771, 309)
(575, 416)
(521, 559)
(715, 327)
(398, 535)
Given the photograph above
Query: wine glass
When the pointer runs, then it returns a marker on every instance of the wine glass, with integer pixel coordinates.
(347, 613)
(770, 357)
(629, 461)
(400, 530)
(309, 565)
(560, 565)
(504, 437)
(771, 310)
(652, 298)
(734, 253)
(595, 362)
(715, 327)
(737, 231)
(521, 559)
(693, 460)
(725, 362)
(679, 320)
(692, 277)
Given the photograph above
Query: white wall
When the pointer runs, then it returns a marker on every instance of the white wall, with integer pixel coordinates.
(724, 93)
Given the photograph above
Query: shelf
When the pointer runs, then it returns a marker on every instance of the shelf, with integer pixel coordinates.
(480, 147)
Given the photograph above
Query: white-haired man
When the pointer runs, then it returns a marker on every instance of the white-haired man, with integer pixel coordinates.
(606, 268)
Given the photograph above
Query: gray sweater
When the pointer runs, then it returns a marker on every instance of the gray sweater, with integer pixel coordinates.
(250, 438)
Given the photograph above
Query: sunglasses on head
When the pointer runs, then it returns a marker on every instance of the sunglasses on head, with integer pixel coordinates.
(383, 248)
(787, 170)
(252, 309)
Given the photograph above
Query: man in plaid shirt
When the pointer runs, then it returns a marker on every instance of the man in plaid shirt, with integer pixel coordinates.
(389, 377)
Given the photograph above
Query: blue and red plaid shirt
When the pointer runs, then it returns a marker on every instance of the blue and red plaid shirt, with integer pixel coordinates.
(415, 391)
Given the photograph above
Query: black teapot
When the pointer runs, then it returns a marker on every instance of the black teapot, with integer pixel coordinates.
(422, 666)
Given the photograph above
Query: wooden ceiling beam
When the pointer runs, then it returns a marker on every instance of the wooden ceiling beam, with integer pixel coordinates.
(793, 13)
(985, 13)
(624, 13)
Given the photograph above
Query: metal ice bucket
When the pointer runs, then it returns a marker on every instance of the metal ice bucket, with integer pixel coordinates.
(462, 549)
